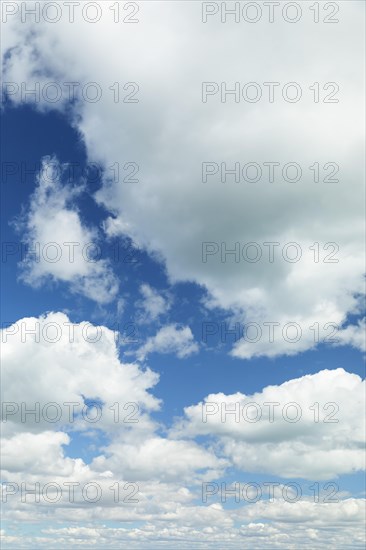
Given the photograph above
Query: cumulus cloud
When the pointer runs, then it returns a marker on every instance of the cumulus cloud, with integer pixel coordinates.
(67, 377)
(58, 245)
(59, 362)
(305, 427)
(36, 453)
(48, 363)
(81, 363)
(170, 132)
(170, 339)
(161, 459)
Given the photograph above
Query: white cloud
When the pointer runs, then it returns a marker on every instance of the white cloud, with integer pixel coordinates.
(160, 459)
(261, 525)
(66, 362)
(170, 339)
(168, 470)
(355, 335)
(60, 247)
(81, 362)
(327, 439)
(152, 304)
(63, 363)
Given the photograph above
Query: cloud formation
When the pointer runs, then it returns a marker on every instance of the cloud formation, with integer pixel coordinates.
(170, 339)
(302, 428)
(170, 132)
(58, 245)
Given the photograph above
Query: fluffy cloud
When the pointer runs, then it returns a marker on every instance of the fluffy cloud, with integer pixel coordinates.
(60, 362)
(292, 526)
(170, 132)
(354, 335)
(160, 459)
(152, 304)
(71, 377)
(80, 363)
(170, 339)
(311, 427)
(50, 362)
(59, 246)
(37, 454)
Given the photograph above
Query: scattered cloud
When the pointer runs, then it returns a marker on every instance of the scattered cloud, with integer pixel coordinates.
(170, 339)
(58, 246)
(152, 305)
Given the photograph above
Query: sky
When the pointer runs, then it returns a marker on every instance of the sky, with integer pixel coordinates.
(183, 326)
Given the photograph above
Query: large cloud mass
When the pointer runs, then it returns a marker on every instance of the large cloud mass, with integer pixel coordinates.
(170, 132)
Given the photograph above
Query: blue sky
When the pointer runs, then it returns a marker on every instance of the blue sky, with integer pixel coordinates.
(160, 293)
